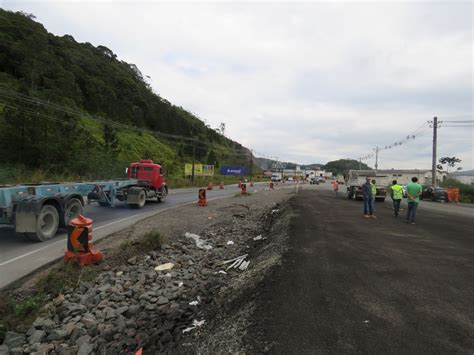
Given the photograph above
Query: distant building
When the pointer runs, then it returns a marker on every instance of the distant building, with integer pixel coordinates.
(466, 177)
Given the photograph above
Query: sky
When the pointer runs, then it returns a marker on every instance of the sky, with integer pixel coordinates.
(307, 82)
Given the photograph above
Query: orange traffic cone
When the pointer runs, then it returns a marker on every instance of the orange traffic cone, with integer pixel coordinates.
(221, 186)
(209, 186)
(79, 247)
(202, 198)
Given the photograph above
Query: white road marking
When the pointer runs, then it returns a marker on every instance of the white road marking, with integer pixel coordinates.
(103, 226)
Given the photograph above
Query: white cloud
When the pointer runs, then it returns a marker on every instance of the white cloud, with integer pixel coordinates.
(304, 81)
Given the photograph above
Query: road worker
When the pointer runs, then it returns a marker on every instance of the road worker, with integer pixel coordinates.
(397, 196)
(374, 193)
(367, 193)
(335, 188)
(413, 195)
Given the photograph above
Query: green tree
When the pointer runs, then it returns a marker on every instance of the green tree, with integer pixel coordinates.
(342, 166)
(450, 162)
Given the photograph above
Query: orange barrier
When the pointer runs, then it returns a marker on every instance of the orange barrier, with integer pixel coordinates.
(202, 198)
(209, 186)
(453, 194)
(244, 189)
(221, 186)
(79, 247)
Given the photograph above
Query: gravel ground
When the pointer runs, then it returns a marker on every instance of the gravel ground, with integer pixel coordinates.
(193, 305)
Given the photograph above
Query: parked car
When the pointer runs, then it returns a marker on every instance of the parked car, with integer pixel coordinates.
(434, 194)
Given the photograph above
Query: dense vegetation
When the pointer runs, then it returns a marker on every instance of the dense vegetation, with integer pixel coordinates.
(342, 166)
(70, 109)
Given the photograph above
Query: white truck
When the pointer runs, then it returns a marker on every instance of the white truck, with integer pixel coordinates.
(356, 178)
(277, 177)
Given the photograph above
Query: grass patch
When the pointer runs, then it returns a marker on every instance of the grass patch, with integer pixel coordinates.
(19, 308)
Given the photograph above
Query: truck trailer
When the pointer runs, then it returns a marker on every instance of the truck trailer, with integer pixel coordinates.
(38, 210)
(357, 178)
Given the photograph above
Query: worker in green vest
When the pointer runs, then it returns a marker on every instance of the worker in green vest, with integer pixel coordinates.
(397, 196)
(374, 192)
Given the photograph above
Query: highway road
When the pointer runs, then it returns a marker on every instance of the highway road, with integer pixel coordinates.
(19, 256)
(347, 284)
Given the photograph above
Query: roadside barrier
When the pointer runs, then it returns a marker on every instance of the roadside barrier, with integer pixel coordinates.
(209, 186)
(202, 198)
(244, 189)
(453, 194)
(221, 186)
(79, 247)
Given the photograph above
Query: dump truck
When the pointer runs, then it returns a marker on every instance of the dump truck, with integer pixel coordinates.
(356, 178)
(38, 210)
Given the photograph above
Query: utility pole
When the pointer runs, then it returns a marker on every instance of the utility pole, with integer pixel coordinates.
(433, 163)
(194, 160)
(376, 159)
(250, 169)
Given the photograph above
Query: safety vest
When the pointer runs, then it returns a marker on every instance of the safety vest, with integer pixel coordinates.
(374, 189)
(397, 192)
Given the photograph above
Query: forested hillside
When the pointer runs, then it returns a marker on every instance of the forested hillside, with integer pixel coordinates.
(73, 109)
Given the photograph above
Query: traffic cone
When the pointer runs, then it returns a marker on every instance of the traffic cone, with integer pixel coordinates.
(209, 186)
(202, 198)
(221, 186)
(79, 247)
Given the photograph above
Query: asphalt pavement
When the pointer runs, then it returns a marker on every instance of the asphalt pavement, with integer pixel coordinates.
(19, 256)
(354, 285)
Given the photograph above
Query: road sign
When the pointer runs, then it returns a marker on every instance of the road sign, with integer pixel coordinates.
(233, 170)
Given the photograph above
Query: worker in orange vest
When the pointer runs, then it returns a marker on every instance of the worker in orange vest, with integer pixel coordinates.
(335, 187)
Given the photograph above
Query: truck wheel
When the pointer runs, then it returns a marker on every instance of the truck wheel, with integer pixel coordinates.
(141, 200)
(73, 209)
(47, 224)
(163, 193)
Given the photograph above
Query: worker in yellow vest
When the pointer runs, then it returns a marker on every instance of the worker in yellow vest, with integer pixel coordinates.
(374, 192)
(397, 196)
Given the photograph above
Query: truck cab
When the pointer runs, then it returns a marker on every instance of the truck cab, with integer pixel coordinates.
(148, 172)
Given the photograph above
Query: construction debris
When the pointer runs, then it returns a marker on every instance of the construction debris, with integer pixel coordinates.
(201, 244)
(196, 324)
(162, 267)
(238, 262)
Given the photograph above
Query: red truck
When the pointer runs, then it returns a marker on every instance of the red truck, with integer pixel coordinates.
(151, 183)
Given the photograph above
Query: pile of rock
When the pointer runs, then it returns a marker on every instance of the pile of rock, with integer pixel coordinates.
(138, 304)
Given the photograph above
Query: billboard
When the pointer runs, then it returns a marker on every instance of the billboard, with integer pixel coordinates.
(233, 170)
(199, 170)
